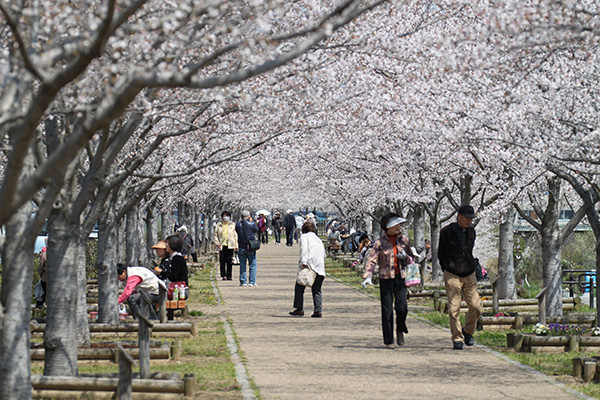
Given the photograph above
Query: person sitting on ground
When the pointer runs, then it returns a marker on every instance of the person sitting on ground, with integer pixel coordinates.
(138, 280)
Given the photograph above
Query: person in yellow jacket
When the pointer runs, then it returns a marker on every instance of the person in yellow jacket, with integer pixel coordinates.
(226, 240)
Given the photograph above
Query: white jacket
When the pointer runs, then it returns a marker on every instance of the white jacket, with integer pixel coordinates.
(149, 283)
(312, 252)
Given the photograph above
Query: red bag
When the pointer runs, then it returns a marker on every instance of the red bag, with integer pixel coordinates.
(180, 284)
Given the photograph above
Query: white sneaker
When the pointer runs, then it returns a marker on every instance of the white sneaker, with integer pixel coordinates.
(253, 284)
(243, 284)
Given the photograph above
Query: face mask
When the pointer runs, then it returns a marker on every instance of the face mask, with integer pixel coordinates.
(225, 218)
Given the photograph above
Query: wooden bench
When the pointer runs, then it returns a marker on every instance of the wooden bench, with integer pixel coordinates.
(174, 305)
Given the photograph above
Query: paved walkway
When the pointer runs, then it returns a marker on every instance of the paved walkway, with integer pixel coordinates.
(341, 356)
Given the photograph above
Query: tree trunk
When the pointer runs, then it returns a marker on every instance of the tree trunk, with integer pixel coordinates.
(108, 284)
(181, 213)
(17, 275)
(507, 284)
(165, 225)
(197, 230)
(60, 336)
(552, 250)
(131, 238)
(437, 275)
(142, 248)
(419, 235)
(151, 234)
(83, 327)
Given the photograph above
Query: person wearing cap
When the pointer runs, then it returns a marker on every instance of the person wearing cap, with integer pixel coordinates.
(456, 258)
(226, 239)
(392, 253)
(289, 222)
(246, 229)
(161, 251)
(277, 223)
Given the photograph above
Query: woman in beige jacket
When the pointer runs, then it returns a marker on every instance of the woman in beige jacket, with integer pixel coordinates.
(227, 241)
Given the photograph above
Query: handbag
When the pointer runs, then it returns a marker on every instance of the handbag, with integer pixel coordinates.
(306, 276)
(235, 260)
(180, 284)
(413, 275)
(251, 245)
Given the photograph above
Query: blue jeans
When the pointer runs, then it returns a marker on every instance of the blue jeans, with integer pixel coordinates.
(277, 236)
(249, 256)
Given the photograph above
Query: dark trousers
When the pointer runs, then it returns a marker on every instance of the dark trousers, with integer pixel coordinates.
(393, 297)
(264, 237)
(277, 236)
(135, 304)
(289, 237)
(316, 292)
(41, 303)
(226, 261)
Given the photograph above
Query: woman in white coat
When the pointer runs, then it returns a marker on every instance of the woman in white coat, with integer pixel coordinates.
(312, 253)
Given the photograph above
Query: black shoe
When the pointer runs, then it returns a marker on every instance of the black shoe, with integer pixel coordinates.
(400, 338)
(317, 315)
(469, 341)
(299, 313)
(457, 345)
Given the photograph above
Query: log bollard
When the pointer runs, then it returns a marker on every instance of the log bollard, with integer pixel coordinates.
(589, 370)
(177, 349)
(519, 338)
(578, 367)
(189, 385)
(518, 323)
(541, 297)
(573, 343)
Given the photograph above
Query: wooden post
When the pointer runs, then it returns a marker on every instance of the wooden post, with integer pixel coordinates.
(574, 343)
(124, 390)
(589, 370)
(541, 297)
(495, 303)
(578, 367)
(518, 323)
(162, 298)
(144, 336)
(519, 338)
(189, 385)
(177, 349)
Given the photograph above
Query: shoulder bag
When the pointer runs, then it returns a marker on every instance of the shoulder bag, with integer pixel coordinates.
(306, 276)
(251, 245)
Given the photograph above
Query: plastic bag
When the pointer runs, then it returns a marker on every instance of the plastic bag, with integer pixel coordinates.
(413, 275)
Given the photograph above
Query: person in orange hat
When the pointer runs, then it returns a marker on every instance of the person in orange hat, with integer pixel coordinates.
(161, 251)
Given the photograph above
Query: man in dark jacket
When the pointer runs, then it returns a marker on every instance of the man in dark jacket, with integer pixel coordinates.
(277, 223)
(246, 229)
(289, 222)
(456, 258)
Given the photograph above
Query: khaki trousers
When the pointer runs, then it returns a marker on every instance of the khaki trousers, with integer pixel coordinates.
(468, 285)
